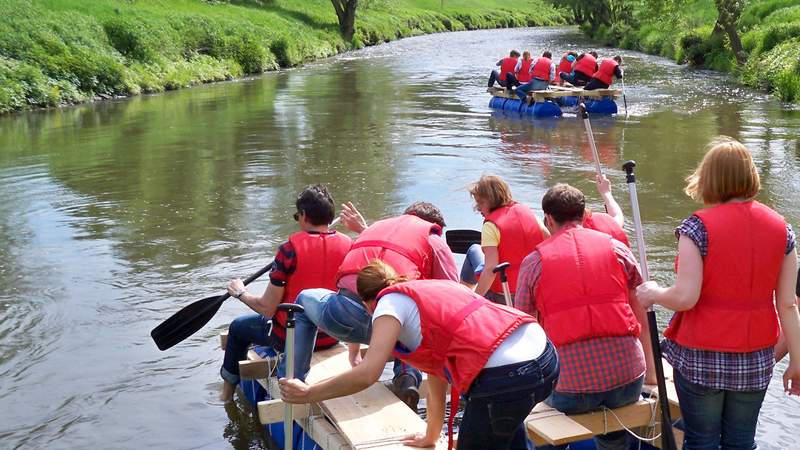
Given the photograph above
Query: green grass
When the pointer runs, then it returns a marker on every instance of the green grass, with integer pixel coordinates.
(769, 29)
(55, 52)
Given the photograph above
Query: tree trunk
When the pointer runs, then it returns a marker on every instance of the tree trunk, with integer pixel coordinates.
(729, 12)
(346, 12)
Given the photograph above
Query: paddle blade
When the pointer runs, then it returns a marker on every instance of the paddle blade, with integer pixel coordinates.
(459, 241)
(186, 322)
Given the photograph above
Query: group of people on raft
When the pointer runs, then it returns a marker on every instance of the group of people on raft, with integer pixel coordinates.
(576, 335)
(524, 74)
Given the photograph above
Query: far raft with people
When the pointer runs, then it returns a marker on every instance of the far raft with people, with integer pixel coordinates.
(575, 336)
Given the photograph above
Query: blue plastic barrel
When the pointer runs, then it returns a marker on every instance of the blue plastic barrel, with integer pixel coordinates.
(546, 109)
(605, 105)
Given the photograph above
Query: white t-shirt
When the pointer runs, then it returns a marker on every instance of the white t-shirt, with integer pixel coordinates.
(525, 343)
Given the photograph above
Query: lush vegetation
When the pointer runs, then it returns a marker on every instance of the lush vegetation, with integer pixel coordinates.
(704, 33)
(55, 52)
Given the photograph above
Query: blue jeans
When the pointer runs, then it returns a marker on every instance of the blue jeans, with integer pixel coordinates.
(473, 264)
(500, 399)
(339, 316)
(715, 418)
(534, 85)
(243, 331)
(581, 403)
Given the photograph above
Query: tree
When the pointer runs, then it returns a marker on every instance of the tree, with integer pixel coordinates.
(346, 12)
(729, 12)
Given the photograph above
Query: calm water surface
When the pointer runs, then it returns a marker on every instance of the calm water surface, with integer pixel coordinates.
(114, 215)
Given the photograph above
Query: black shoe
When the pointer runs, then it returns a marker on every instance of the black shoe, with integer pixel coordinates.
(404, 387)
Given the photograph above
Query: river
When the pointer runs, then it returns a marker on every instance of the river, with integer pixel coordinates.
(114, 215)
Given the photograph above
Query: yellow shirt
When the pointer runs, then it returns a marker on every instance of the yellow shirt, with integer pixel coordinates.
(490, 235)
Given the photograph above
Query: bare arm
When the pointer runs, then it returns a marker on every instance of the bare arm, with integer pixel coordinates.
(487, 276)
(264, 305)
(612, 207)
(385, 331)
(683, 295)
(786, 304)
(435, 400)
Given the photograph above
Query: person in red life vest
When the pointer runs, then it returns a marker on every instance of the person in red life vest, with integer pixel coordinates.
(611, 221)
(580, 284)
(733, 294)
(412, 244)
(510, 231)
(565, 66)
(582, 70)
(507, 66)
(606, 71)
(497, 356)
(542, 72)
(309, 258)
(522, 71)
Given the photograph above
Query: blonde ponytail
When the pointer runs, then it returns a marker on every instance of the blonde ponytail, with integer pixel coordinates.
(375, 277)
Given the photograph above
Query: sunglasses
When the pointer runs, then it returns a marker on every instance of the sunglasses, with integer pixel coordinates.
(297, 215)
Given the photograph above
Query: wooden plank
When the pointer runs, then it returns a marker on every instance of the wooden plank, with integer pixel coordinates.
(549, 426)
(672, 394)
(557, 91)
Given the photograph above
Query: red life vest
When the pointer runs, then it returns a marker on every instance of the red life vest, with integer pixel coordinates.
(507, 65)
(318, 257)
(605, 72)
(524, 74)
(583, 291)
(586, 65)
(541, 70)
(564, 65)
(460, 329)
(519, 235)
(736, 311)
(604, 223)
(401, 242)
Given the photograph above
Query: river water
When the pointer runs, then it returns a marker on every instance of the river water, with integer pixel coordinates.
(114, 215)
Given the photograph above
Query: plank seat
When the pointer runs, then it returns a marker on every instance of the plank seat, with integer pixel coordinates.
(557, 91)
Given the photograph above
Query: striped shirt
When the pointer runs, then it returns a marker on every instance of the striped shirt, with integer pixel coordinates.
(591, 365)
(730, 371)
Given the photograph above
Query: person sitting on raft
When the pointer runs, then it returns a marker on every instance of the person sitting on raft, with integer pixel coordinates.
(310, 258)
(507, 66)
(542, 73)
(510, 231)
(496, 356)
(412, 244)
(736, 264)
(580, 282)
(582, 70)
(611, 221)
(602, 79)
(522, 71)
(565, 66)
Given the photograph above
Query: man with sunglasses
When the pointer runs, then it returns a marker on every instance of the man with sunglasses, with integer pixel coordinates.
(310, 258)
(412, 244)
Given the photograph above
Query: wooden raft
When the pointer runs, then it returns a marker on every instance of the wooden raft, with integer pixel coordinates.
(374, 418)
(556, 91)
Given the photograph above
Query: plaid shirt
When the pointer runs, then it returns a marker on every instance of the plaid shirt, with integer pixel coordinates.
(592, 365)
(750, 371)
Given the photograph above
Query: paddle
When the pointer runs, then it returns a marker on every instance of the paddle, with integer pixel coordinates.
(624, 99)
(459, 241)
(667, 438)
(288, 416)
(191, 318)
(588, 125)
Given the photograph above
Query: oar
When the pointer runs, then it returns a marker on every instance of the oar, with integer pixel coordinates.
(624, 99)
(588, 125)
(667, 438)
(191, 318)
(459, 241)
(288, 415)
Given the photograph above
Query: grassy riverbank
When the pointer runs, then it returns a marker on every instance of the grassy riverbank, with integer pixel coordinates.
(55, 52)
(683, 30)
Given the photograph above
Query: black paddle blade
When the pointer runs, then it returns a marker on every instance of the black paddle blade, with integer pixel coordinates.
(186, 322)
(459, 241)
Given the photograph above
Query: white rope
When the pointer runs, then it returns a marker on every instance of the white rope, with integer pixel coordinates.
(652, 425)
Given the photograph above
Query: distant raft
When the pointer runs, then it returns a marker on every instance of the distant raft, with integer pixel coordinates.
(556, 101)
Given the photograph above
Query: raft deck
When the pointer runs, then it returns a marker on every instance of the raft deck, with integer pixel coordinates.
(556, 91)
(376, 419)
